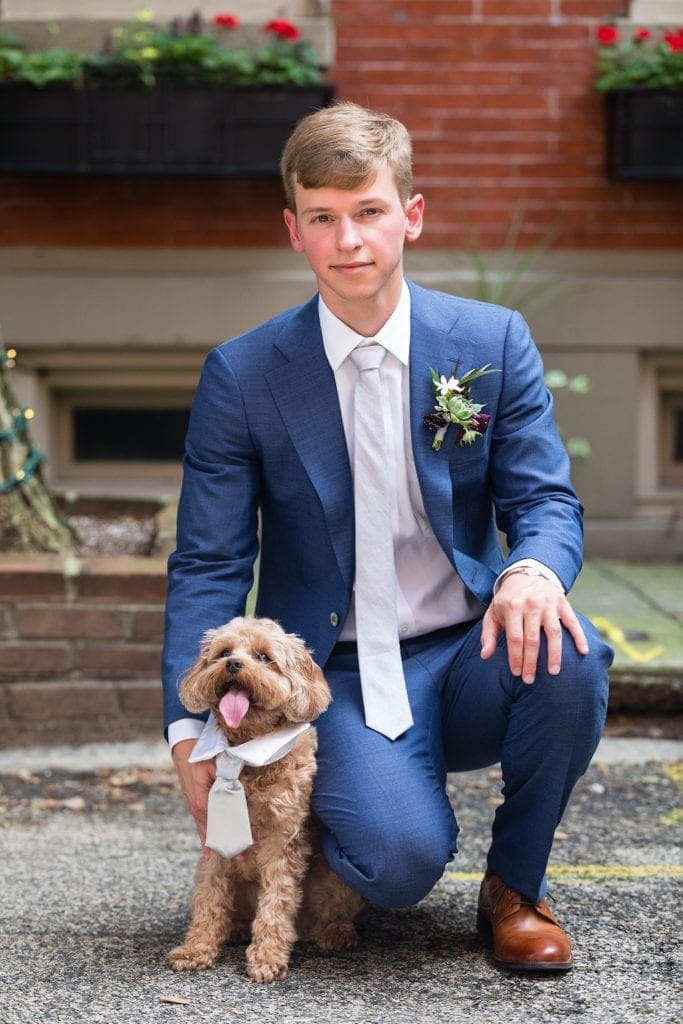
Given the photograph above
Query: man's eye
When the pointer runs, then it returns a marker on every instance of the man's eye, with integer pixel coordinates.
(370, 211)
(322, 218)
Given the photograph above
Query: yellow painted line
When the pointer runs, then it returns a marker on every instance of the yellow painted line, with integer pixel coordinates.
(592, 872)
(674, 817)
(616, 636)
(675, 773)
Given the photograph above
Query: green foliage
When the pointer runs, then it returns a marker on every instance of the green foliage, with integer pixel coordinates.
(557, 380)
(507, 284)
(54, 64)
(183, 53)
(639, 61)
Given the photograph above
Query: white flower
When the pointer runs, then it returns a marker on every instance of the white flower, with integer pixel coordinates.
(443, 386)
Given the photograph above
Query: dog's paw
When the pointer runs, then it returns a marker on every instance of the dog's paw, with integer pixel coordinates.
(267, 972)
(192, 958)
(336, 936)
(265, 969)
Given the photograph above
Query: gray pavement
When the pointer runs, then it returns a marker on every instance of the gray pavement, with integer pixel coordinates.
(97, 862)
(638, 608)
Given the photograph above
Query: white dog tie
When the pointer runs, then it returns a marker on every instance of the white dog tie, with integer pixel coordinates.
(228, 829)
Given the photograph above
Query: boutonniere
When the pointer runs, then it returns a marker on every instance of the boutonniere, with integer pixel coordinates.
(454, 405)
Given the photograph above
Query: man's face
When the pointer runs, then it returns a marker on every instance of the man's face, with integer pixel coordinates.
(353, 239)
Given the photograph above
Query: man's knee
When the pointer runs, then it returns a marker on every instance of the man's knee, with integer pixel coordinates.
(397, 868)
(588, 674)
(572, 706)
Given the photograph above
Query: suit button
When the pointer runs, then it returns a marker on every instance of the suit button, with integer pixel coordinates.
(334, 619)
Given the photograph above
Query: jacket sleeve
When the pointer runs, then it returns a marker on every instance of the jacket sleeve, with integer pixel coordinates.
(210, 573)
(536, 506)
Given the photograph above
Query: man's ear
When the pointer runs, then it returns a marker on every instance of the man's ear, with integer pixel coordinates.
(414, 217)
(294, 236)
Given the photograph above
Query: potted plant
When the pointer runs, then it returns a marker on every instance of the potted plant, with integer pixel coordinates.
(158, 100)
(642, 77)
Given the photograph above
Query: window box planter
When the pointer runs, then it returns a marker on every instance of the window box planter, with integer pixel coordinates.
(645, 134)
(117, 129)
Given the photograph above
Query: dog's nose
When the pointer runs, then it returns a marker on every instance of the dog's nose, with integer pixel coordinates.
(233, 666)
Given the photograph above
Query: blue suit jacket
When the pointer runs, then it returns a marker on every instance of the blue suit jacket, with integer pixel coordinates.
(266, 441)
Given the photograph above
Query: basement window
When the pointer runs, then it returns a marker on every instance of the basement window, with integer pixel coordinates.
(119, 441)
(671, 433)
(125, 434)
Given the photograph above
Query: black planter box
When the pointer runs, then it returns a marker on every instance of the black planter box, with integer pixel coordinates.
(645, 134)
(166, 130)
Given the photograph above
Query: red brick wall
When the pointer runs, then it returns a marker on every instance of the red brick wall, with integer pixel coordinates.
(498, 96)
(80, 650)
(499, 99)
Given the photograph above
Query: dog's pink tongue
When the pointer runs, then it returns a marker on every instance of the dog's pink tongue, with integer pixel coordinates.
(234, 705)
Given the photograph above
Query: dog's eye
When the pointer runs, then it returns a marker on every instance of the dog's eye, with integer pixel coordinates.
(262, 657)
(225, 654)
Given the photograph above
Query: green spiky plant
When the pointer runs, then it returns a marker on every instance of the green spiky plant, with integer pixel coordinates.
(507, 284)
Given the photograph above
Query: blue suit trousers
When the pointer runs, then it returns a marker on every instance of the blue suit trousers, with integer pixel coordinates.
(388, 827)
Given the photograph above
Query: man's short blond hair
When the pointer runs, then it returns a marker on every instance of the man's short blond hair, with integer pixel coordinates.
(343, 146)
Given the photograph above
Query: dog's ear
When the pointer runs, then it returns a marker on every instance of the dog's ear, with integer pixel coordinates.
(310, 692)
(191, 691)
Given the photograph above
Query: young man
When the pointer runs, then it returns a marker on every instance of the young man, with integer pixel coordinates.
(481, 657)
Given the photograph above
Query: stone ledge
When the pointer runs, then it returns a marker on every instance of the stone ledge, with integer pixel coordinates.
(647, 690)
(127, 578)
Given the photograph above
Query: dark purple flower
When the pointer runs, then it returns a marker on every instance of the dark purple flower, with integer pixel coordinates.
(478, 425)
(480, 422)
(434, 421)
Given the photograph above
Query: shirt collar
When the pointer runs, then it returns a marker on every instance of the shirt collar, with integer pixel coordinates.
(339, 340)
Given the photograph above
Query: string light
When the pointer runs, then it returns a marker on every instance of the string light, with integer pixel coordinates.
(17, 431)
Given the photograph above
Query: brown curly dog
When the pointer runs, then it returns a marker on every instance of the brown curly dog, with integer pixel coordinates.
(256, 678)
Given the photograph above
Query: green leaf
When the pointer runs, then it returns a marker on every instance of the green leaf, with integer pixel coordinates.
(580, 384)
(579, 448)
(555, 379)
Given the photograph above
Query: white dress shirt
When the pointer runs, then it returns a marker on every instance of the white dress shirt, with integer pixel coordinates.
(429, 592)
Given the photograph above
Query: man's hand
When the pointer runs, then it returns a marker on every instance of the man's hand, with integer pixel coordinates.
(523, 607)
(196, 780)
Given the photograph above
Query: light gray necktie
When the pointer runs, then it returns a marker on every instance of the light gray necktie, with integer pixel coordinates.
(385, 699)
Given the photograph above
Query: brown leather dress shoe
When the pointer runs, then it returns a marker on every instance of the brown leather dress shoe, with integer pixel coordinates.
(526, 936)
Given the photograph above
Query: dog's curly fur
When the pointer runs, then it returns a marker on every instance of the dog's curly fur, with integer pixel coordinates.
(281, 888)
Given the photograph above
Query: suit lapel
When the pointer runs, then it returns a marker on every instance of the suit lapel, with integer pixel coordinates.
(304, 391)
(434, 344)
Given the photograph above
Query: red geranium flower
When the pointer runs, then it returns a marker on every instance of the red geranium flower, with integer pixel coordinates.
(641, 34)
(674, 40)
(282, 28)
(226, 20)
(607, 35)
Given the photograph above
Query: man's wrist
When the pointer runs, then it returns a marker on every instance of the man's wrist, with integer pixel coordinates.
(528, 567)
(184, 729)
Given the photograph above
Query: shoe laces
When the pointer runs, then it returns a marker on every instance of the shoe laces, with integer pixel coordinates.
(519, 900)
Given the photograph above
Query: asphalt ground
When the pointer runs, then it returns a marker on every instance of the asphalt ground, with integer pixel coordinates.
(97, 862)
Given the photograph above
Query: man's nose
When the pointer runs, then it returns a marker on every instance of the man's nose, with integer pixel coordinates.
(348, 235)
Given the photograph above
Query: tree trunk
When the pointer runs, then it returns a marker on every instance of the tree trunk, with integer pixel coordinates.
(29, 517)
